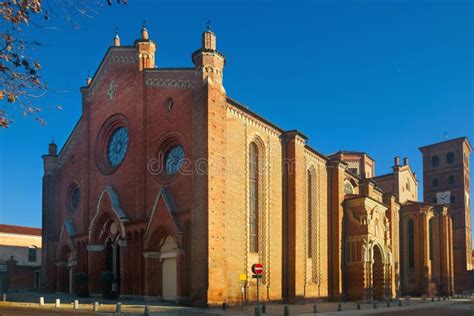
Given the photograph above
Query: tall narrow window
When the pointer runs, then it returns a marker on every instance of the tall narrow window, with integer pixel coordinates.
(254, 198)
(32, 254)
(430, 227)
(434, 161)
(411, 245)
(310, 214)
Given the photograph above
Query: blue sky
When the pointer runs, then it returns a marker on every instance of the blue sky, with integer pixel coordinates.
(384, 77)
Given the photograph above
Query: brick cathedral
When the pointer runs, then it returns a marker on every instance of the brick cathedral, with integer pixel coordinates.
(177, 189)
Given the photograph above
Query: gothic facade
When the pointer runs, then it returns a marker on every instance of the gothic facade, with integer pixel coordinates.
(178, 189)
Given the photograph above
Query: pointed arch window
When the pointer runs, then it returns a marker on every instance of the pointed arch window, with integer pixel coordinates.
(254, 196)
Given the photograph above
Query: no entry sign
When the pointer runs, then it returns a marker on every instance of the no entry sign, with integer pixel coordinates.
(257, 268)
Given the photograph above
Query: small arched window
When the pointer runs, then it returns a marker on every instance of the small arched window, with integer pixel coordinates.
(435, 182)
(452, 199)
(254, 198)
(450, 157)
(411, 244)
(451, 180)
(434, 161)
(407, 185)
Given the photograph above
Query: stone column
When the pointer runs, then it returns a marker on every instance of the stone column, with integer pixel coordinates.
(124, 267)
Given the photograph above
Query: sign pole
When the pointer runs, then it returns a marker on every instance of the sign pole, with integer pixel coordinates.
(257, 294)
(242, 296)
(257, 269)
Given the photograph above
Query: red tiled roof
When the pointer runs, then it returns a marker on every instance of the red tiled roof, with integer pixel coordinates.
(11, 229)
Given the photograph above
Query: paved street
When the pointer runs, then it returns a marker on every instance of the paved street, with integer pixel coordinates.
(27, 304)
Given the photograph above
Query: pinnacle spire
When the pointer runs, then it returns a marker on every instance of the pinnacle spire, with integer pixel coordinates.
(116, 38)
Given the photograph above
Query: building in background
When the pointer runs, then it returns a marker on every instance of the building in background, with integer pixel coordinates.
(446, 181)
(20, 257)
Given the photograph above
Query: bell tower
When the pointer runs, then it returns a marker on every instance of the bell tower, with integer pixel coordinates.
(446, 182)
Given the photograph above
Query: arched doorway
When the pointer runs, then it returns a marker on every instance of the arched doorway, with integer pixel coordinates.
(378, 276)
(169, 269)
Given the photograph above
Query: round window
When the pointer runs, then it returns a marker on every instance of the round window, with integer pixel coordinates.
(174, 160)
(112, 144)
(117, 147)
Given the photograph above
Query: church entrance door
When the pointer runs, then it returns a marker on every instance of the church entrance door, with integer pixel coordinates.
(378, 274)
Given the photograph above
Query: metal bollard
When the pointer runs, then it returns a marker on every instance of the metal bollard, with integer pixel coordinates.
(388, 303)
(41, 302)
(96, 307)
(399, 303)
(375, 305)
(224, 306)
(358, 305)
(58, 303)
(118, 307)
(147, 310)
(286, 311)
(315, 309)
(75, 304)
(339, 307)
(264, 309)
(257, 311)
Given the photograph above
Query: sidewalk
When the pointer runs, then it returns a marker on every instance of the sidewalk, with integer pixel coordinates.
(27, 303)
